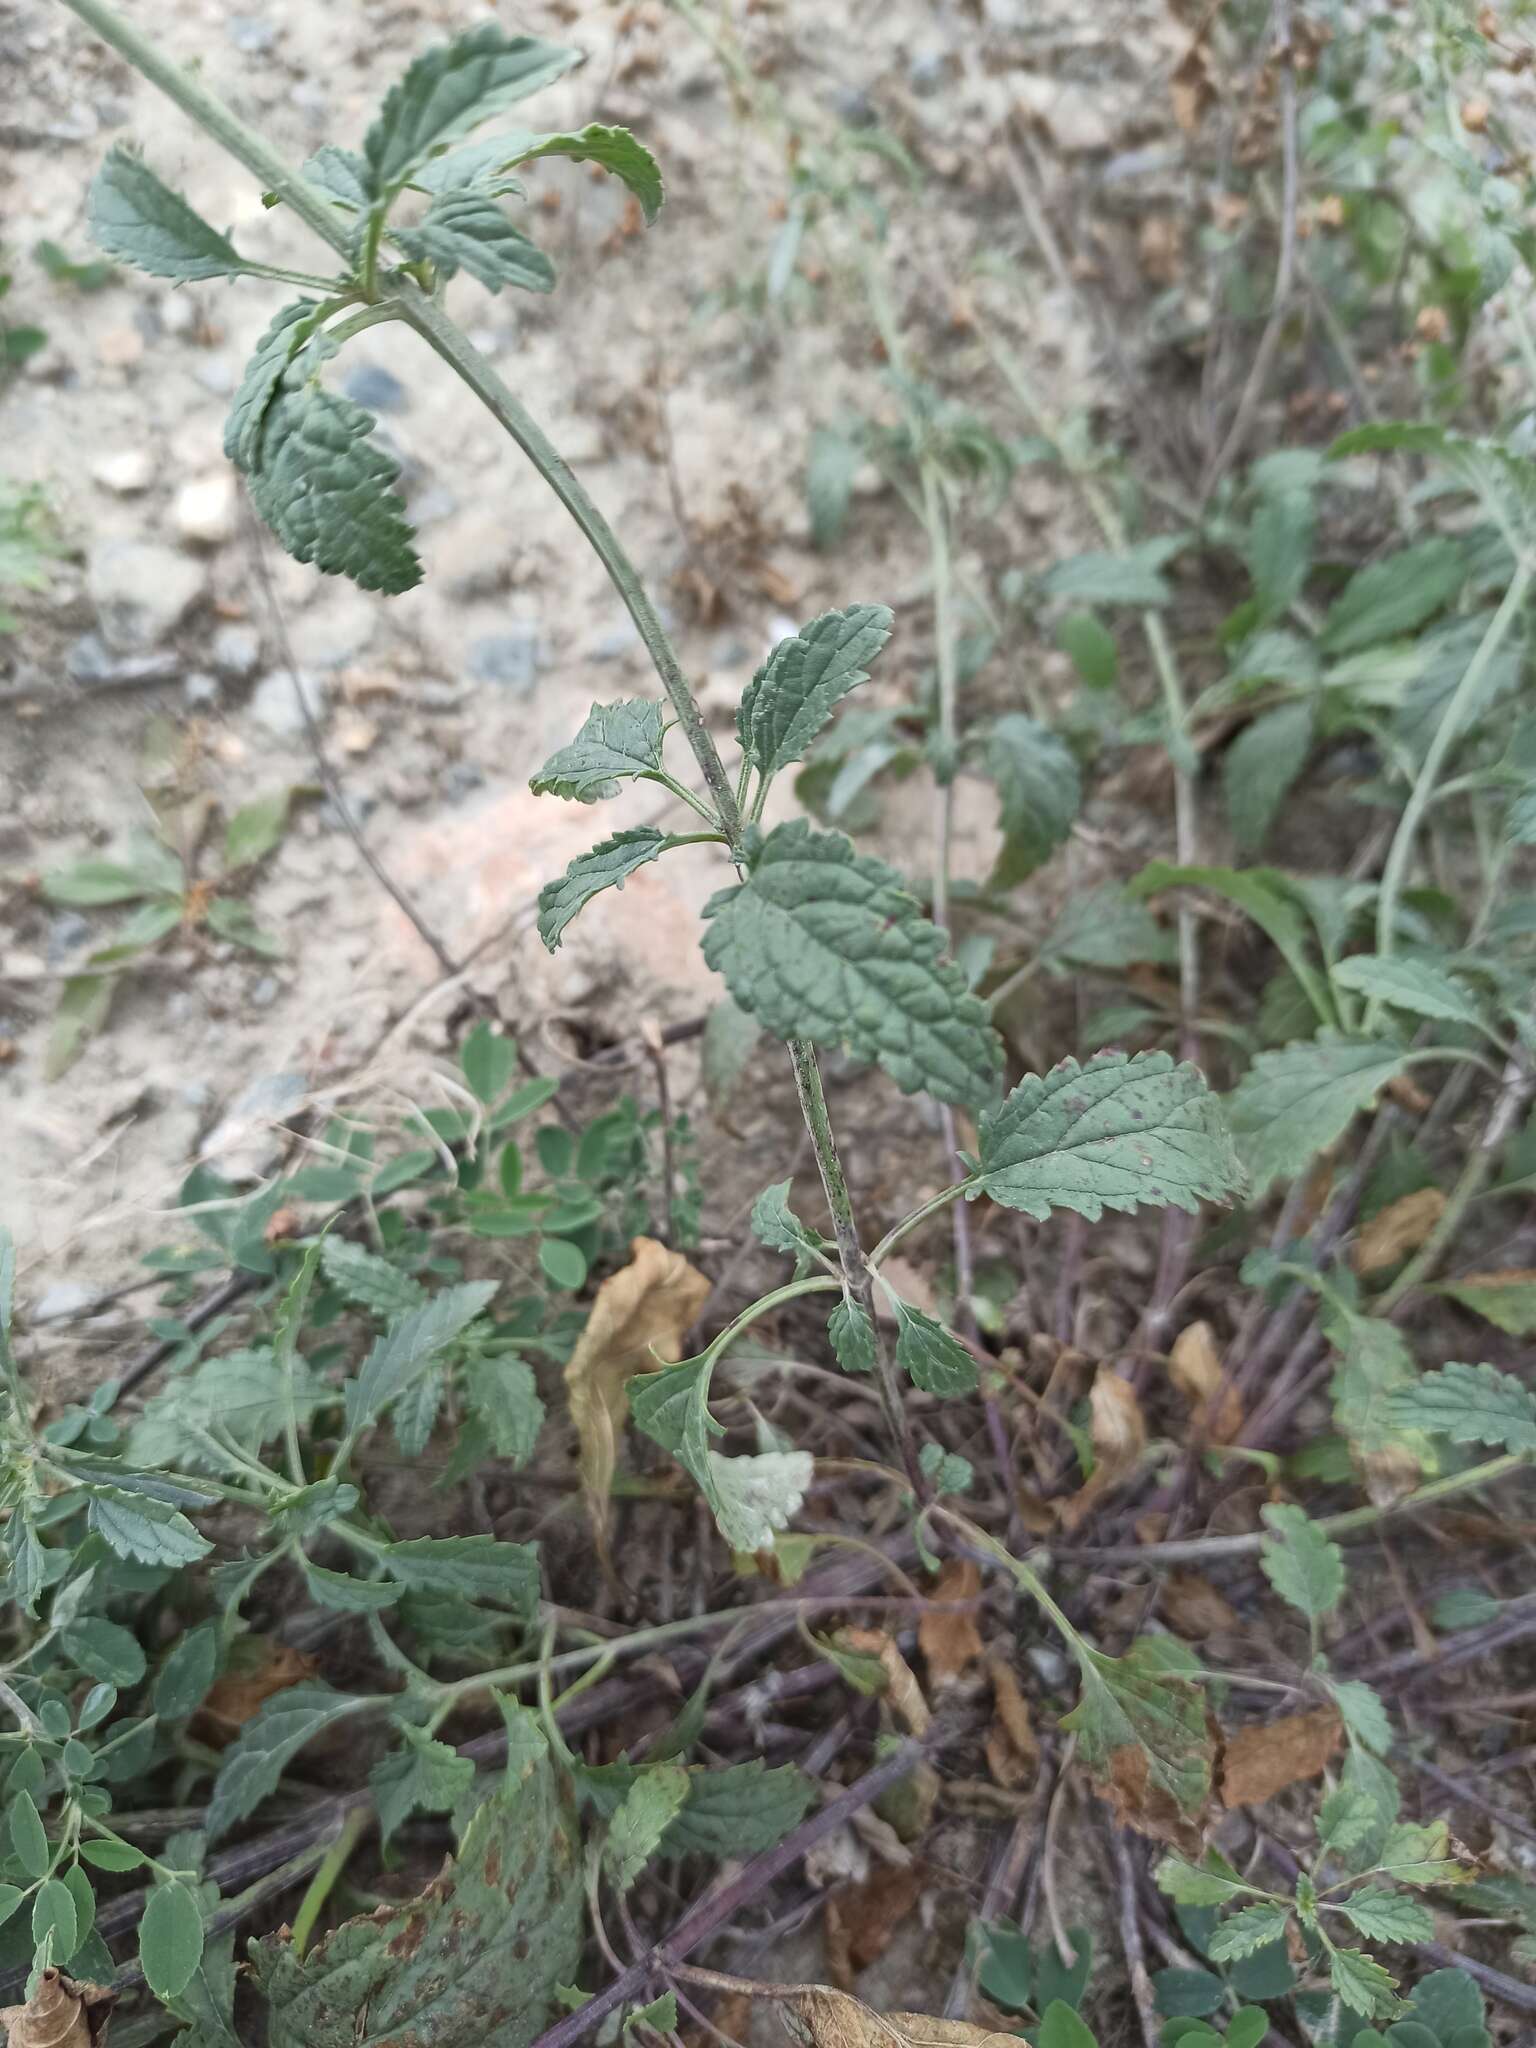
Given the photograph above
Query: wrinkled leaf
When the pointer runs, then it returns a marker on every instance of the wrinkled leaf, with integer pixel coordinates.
(617, 742)
(136, 218)
(607, 866)
(449, 90)
(1293, 1103)
(792, 695)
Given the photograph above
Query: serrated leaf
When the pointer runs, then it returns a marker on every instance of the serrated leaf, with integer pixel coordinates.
(1360, 1982)
(143, 1530)
(792, 695)
(1345, 1818)
(1305, 1567)
(1279, 548)
(754, 1497)
(1408, 984)
(341, 174)
(1470, 1404)
(1141, 1730)
(1269, 898)
(606, 866)
(1505, 1299)
(136, 218)
(616, 150)
(1123, 1130)
(466, 231)
(1187, 1885)
(1039, 789)
(1105, 927)
(776, 1225)
(660, 2014)
(1294, 1102)
(648, 1809)
(1394, 595)
(1364, 1714)
(505, 1396)
(932, 1357)
(1389, 1916)
(824, 943)
(1417, 1854)
(617, 742)
(1099, 578)
(1251, 1928)
(346, 1595)
(253, 1765)
(474, 1960)
(475, 1568)
(324, 487)
(368, 1280)
(852, 1337)
(423, 1776)
(1375, 1363)
(736, 1811)
(449, 90)
(1259, 768)
(170, 1939)
(410, 1344)
(289, 330)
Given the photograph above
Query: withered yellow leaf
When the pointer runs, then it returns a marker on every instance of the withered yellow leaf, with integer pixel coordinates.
(948, 1636)
(1118, 1431)
(1398, 1229)
(1256, 1763)
(1012, 1747)
(1194, 1366)
(820, 2017)
(637, 1322)
(901, 1686)
(62, 2014)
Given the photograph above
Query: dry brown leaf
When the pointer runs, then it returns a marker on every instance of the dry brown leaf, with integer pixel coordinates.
(1398, 1229)
(258, 1667)
(901, 1686)
(1258, 1762)
(1012, 1747)
(1190, 87)
(64, 2014)
(861, 1918)
(1404, 1090)
(820, 2017)
(1160, 248)
(1118, 1430)
(1194, 1365)
(948, 1637)
(1140, 1804)
(1194, 1608)
(636, 1323)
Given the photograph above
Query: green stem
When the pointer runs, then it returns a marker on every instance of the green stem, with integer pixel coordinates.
(321, 1885)
(467, 363)
(1452, 719)
(857, 1282)
(908, 1224)
(217, 120)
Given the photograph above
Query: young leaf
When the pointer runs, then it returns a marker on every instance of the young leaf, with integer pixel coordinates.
(464, 231)
(134, 217)
(824, 943)
(505, 1396)
(170, 1939)
(450, 90)
(649, 1807)
(776, 1225)
(254, 1763)
(1361, 1982)
(617, 742)
(1305, 1567)
(852, 1337)
(1187, 1885)
(1389, 1916)
(1260, 766)
(472, 1567)
(753, 1498)
(660, 2014)
(607, 866)
(341, 174)
(792, 695)
(1394, 595)
(489, 1060)
(1039, 789)
(1470, 1404)
(289, 330)
(424, 1776)
(1408, 984)
(363, 1277)
(324, 489)
(410, 1344)
(615, 149)
(932, 1357)
(1253, 1927)
(1123, 1130)
(1293, 1103)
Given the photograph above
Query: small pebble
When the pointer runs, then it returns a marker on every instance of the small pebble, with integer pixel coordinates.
(206, 512)
(377, 388)
(126, 473)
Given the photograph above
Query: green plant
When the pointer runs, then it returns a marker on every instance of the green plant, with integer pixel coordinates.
(27, 544)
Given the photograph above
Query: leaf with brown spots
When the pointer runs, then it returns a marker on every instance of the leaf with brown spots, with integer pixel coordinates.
(1259, 1762)
(475, 1958)
(819, 2017)
(1013, 1748)
(861, 1918)
(947, 1635)
(1194, 1365)
(637, 1322)
(1397, 1230)
(1141, 1729)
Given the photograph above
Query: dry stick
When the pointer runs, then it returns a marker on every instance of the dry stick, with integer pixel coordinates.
(723, 1901)
(1285, 269)
(1130, 1937)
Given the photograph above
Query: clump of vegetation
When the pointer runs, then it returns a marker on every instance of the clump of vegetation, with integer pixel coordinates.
(152, 1546)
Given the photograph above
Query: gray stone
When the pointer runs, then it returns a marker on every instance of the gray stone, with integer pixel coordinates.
(928, 71)
(201, 692)
(510, 658)
(141, 592)
(218, 374)
(235, 650)
(266, 992)
(251, 36)
(125, 473)
(339, 627)
(854, 107)
(63, 1298)
(624, 639)
(67, 933)
(461, 778)
(379, 389)
(277, 706)
(92, 664)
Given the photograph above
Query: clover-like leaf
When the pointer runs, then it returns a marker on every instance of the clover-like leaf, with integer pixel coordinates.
(1470, 1404)
(140, 220)
(821, 942)
(792, 695)
(1295, 1101)
(1123, 1130)
(449, 90)
(617, 742)
(323, 486)
(465, 231)
(606, 866)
